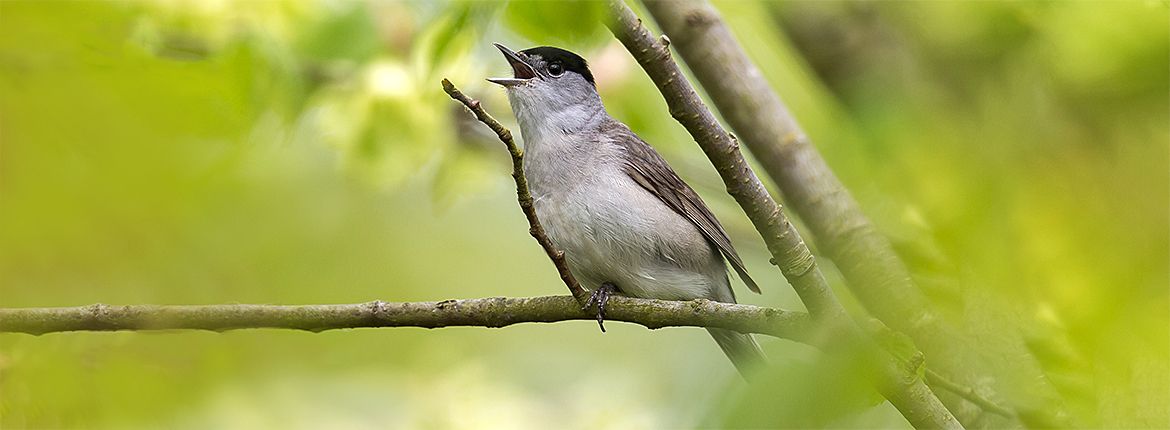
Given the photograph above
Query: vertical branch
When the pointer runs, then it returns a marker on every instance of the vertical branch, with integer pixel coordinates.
(522, 193)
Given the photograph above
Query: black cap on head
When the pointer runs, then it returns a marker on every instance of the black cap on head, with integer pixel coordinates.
(570, 61)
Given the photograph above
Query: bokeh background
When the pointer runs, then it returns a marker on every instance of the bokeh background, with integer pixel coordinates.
(296, 152)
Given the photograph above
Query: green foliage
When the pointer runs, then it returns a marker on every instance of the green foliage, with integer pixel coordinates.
(303, 152)
(349, 34)
(572, 22)
(806, 392)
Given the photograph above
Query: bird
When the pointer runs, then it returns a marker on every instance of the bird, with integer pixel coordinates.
(626, 222)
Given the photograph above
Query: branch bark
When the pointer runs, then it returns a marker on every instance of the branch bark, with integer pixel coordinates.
(968, 393)
(488, 312)
(788, 249)
(875, 274)
(523, 196)
(899, 382)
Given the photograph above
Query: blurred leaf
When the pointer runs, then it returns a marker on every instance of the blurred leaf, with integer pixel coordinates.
(899, 345)
(571, 23)
(345, 34)
(828, 392)
(444, 38)
(280, 151)
(465, 173)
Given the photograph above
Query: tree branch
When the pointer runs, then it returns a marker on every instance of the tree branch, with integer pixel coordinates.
(488, 312)
(899, 382)
(741, 93)
(522, 194)
(967, 393)
(875, 273)
(788, 250)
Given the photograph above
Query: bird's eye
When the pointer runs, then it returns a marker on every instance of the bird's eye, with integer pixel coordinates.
(556, 69)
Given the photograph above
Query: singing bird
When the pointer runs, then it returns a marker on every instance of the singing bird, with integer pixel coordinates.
(625, 220)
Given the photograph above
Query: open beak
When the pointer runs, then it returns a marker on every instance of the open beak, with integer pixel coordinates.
(521, 71)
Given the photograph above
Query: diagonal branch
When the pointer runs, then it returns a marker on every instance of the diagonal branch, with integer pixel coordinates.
(788, 250)
(875, 274)
(488, 312)
(522, 193)
(898, 381)
(741, 93)
(968, 394)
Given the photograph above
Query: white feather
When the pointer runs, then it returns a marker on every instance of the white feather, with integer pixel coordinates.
(610, 228)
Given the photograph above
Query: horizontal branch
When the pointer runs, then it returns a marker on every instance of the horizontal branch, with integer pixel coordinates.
(487, 312)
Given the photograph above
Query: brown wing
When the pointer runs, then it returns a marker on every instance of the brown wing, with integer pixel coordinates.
(652, 173)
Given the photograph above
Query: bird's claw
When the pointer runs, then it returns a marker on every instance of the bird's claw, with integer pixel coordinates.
(600, 297)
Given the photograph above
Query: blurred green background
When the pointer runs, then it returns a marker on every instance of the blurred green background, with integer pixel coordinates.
(296, 152)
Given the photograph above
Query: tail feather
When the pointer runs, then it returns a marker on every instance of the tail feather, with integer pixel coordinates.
(741, 348)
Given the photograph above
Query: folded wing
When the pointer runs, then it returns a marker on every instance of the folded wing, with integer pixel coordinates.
(653, 174)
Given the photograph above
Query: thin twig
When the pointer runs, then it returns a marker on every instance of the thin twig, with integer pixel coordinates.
(487, 312)
(968, 393)
(522, 193)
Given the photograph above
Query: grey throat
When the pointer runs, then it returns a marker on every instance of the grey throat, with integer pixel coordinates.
(609, 200)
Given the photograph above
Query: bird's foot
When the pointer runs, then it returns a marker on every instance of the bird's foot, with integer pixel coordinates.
(600, 297)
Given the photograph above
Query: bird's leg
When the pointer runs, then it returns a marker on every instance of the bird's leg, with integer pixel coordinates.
(600, 297)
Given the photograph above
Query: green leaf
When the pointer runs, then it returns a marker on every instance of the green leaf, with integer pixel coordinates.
(571, 23)
(900, 345)
(346, 35)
